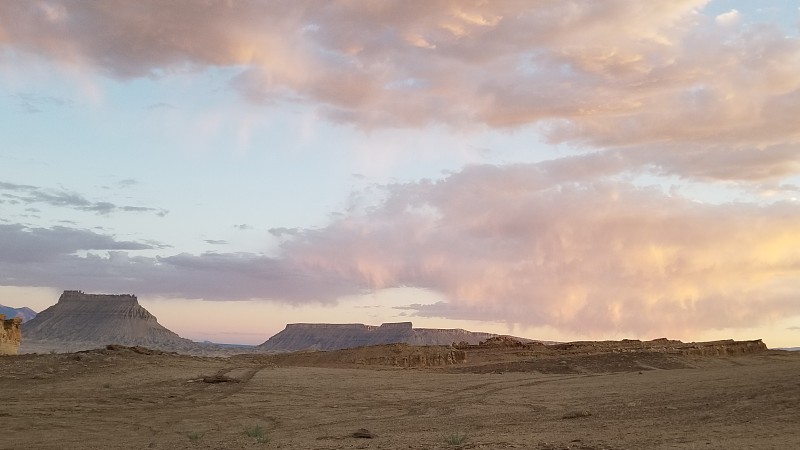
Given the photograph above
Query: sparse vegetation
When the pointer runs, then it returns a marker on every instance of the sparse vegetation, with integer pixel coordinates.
(456, 438)
(194, 436)
(257, 433)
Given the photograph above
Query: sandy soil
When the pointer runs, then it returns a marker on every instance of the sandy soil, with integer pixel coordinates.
(123, 399)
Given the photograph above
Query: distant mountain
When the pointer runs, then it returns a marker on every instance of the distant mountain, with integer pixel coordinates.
(326, 336)
(94, 320)
(23, 313)
(791, 349)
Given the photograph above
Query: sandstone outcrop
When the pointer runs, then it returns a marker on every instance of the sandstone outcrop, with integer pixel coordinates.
(10, 335)
(324, 336)
(82, 320)
(394, 355)
(712, 348)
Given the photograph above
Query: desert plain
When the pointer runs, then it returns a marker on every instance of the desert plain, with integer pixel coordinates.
(498, 398)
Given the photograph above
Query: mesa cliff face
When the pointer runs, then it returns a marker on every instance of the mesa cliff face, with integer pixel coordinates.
(10, 335)
(100, 319)
(324, 336)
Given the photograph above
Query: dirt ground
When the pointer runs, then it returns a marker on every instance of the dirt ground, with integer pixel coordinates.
(123, 399)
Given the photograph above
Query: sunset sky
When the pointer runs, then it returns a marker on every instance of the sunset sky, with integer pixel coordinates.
(554, 169)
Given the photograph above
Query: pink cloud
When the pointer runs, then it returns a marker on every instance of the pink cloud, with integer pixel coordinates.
(644, 87)
(608, 73)
(732, 17)
(585, 256)
(561, 243)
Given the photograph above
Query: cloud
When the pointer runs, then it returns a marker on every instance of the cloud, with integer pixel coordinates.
(729, 18)
(512, 244)
(161, 106)
(560, 243)
(46, 257)
(33, 103)
(283, 231)
(714, 162)
(22, 245)
(216, 241)
(650, 75)
(653, 88)
(126, 183)
(27, 194)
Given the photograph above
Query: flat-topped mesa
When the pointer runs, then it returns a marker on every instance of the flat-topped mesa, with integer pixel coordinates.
(352, 326)
(82, 296)
(328, 336)
(101, 319)
(397, 326)
(300, 326)
(10, 335)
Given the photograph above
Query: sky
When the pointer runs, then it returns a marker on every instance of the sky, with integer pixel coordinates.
(553, 169)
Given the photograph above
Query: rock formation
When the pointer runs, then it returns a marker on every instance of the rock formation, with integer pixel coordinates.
(82, 320)
(324, 336)
(632, 346)
(10, 335)
(396, 355)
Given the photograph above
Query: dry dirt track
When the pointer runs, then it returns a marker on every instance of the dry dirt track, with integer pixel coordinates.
(122, 399)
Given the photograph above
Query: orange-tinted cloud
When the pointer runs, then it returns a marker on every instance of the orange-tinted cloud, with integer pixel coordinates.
(587, 256)
(659, 88)
(561, 243)
(591, 73)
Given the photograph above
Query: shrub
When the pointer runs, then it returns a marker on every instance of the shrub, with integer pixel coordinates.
(456, 438)
(194, 436)
(257, 433)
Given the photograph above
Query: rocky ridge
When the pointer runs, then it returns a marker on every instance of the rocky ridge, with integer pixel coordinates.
(10, 335)
(727, 347)
(325, 336)
(393, 355)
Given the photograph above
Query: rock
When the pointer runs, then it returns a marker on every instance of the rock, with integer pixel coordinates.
(662, 345)
(10, 335)
(576, 414)
(363, 433)
(720, 348)
(220, 379)
(397, 355)
(502, 341)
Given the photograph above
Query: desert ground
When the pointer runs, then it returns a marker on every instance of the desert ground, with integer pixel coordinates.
(124, 397)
